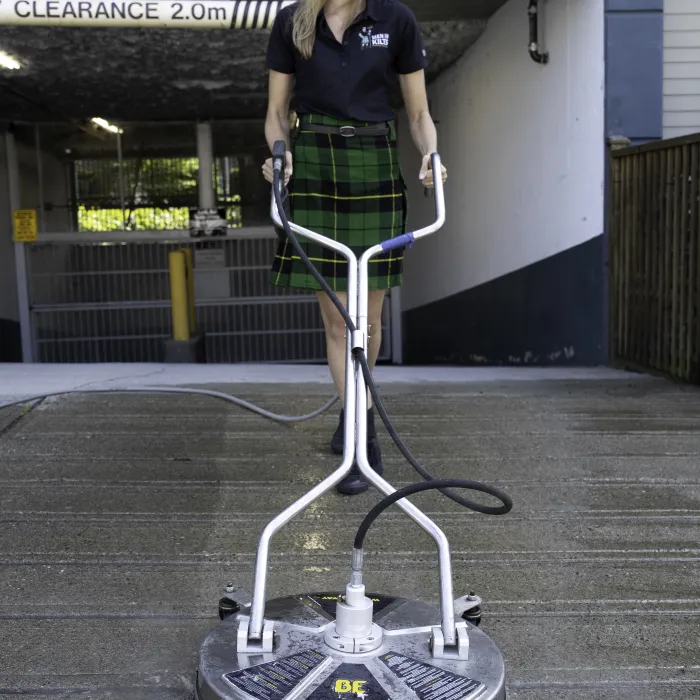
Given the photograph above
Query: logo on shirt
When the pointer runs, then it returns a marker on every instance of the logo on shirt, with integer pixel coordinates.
(369, 40)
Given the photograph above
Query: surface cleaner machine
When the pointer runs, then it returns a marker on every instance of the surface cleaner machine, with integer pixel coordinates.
(356, 644)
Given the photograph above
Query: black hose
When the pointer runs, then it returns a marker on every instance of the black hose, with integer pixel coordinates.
(427, 486)
(431, 482)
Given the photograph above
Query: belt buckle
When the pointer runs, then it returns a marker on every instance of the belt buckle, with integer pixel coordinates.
(347, 131)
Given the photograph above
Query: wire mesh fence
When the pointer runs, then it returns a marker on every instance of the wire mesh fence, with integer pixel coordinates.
(160, 194)
(110, 302)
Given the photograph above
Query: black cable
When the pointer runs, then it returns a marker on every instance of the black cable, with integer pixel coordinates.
(279, 153)
(407, 453)
(427, 486)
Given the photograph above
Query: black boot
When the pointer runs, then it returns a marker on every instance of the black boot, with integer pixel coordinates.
(374, 454)
(338, 439)
(354, 482)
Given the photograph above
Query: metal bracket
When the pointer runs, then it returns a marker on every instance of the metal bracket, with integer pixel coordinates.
(359, 341)
(350, 645)
(467, 602)
(264, 645)
(459, 651)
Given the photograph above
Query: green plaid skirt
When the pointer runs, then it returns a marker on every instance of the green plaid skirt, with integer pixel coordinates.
(351, 190)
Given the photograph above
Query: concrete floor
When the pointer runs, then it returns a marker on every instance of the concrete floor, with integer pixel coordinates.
(124, 515)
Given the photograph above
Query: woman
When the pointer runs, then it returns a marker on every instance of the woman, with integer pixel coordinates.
(342, 57)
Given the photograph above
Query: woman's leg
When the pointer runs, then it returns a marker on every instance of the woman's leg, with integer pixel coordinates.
(335, 327)
(336, 347)
(374, 319)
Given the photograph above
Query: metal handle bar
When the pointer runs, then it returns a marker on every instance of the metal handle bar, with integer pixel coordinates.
(409, 238)
(406, 239)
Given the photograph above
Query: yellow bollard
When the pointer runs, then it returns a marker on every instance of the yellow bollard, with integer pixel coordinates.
(189, 266)
(178, 295)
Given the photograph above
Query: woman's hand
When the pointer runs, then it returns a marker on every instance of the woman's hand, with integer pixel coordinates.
(426, 172)
(268, 170)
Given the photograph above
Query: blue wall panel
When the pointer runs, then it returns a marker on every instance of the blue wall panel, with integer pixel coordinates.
(634, 5)
(634, 82)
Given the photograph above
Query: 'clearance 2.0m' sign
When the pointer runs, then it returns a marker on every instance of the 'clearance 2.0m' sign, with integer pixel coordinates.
(169, 14)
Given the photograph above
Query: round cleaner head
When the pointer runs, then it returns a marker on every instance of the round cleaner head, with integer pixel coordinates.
(303, 665)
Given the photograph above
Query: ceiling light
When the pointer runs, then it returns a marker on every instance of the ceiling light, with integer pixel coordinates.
(6, 61)
(106, 125)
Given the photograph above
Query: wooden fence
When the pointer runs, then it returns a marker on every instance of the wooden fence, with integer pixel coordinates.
(655, 258)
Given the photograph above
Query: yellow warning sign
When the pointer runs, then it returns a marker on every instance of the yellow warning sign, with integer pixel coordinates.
(25, 229)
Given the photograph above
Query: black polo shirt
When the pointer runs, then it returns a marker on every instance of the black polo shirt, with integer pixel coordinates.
(352, 80)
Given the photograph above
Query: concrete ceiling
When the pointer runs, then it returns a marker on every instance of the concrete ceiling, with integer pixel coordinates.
(71, 74)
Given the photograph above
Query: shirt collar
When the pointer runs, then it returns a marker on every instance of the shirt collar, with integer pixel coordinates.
(374, 10)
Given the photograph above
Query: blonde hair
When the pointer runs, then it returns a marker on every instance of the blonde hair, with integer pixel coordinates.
(304, 32)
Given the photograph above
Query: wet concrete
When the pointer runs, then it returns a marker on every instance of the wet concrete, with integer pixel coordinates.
(122, 516)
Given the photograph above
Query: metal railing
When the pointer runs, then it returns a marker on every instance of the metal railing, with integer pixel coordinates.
(101, 299)
(150, 194)
(655, 257)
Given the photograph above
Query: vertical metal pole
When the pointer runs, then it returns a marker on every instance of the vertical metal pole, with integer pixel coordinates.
(74, 190)
(121, 178)
(21, 267)
(40, 177)
(227, 175)
(205, 155)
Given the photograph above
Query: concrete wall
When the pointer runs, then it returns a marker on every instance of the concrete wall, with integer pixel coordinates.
(681, 105)
(516, 273)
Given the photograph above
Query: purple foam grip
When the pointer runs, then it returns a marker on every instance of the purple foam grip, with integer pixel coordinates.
(398, 242)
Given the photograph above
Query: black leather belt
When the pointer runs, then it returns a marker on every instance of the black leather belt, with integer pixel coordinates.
(347, 131)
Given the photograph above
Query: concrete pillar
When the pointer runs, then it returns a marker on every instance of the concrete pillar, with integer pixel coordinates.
(205, 154)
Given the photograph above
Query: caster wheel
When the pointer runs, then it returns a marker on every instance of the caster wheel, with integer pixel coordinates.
(227, 607)
(473, 616)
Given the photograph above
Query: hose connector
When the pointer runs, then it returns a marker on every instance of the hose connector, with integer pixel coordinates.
(358, 556)
(354, 630)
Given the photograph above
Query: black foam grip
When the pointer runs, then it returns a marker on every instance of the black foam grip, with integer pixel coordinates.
(279, 150)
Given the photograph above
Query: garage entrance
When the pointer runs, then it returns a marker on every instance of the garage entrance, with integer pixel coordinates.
(124, 122)
(112, 206)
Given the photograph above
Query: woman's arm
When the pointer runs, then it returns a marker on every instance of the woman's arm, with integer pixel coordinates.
(277, 119)
(421, 123)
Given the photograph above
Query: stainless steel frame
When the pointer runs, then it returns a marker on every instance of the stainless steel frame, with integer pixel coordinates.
(355, 437)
